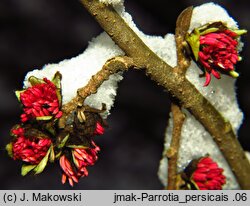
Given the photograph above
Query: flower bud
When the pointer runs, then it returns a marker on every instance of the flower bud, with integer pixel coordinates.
(215, 48)
(31, 150)
(205, 174)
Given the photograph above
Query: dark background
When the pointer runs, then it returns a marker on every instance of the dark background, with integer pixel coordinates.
(36, 32)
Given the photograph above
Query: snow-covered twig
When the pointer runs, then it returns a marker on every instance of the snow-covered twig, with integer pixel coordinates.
(112, 66)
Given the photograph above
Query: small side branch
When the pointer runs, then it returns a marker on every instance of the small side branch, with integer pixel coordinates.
(183, 62)
(112, 66)
(172, 153)
(182, 26)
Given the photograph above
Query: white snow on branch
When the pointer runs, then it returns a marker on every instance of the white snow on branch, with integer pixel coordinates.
(112, 2)
(208, 13)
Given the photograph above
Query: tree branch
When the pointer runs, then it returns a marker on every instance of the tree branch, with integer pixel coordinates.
(172, 153)
(112, 66)
(176, 84)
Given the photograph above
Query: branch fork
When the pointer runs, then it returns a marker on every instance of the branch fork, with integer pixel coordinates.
(138, 56)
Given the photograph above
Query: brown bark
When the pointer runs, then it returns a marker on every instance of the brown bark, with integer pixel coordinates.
(172, 153)
(112, 66)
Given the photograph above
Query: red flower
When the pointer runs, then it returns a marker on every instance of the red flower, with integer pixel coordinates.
(82, 158)
(208, 176)
(19, 131)
(68, 171)
(99, 129)
(30, 150)
(40, 100)
(215, 47)
(218, 51)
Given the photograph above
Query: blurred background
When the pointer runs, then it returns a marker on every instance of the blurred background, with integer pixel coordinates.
(37, 32)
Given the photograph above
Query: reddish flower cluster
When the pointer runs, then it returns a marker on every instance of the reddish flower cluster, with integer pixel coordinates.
(40, 100)
(82, 158)
(29, 150)
(208, 176)
(30, 143)
(218, 50)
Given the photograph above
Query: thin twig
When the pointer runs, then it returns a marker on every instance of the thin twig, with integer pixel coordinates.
(172, 152)
(183, 62)
(112, 66)
(177, 85)
(182, 26)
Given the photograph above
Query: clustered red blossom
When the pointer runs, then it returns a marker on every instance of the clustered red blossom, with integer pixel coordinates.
(218, 51)
(82, 159)
(31, 144)
(40, 100)
(208, 176)
(31, 150)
